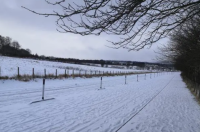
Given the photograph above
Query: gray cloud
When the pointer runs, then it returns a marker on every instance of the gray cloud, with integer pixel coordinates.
(39, 34)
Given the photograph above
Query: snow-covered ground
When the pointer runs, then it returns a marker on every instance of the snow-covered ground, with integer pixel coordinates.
(9, 67)
(161, 103)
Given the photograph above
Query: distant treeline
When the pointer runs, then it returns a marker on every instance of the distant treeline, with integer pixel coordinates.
(14, 49)
(102, 62)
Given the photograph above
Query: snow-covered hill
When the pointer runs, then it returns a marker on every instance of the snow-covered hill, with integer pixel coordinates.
(9, 67)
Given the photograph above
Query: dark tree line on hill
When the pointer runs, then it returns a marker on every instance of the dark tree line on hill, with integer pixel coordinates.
(105, 62)
(12, 48)
(184, 49)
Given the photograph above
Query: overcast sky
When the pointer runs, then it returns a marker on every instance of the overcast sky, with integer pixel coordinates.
(39, 34)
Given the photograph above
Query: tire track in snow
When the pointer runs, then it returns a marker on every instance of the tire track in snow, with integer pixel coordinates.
(55, 114)
(75, 106)
(32, 94)
(108, 113)
(117, 110)
(144, 106)
(45, 119)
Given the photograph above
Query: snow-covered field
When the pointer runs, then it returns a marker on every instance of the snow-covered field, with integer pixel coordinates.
(161, 103)
(9, 67)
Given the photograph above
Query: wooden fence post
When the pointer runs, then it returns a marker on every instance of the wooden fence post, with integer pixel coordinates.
(18, 72)
(101, 83)
(43, 89)
(65, 73)
(73, 74)
(125, 79)
(56, 73)
(44, 73)
(33, 74)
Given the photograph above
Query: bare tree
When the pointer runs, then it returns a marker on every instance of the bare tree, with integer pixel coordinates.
(29, 51)
(184, 49)
(7, 41)
(184, 41)
(16, 45)
(138, 23)
(2, 41)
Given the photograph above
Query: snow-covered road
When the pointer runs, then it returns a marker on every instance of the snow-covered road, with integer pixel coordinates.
(156, 104)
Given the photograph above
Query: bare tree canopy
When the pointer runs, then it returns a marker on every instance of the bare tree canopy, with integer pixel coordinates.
(138, 23)
(184, 43)
(16, 45)
(29, 51)
(184, 49)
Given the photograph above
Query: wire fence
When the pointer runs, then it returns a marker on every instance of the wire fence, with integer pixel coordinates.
(99, 83)
(20, 73)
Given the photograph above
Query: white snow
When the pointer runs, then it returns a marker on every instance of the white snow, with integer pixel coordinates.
(161, 103)
(9, 67)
